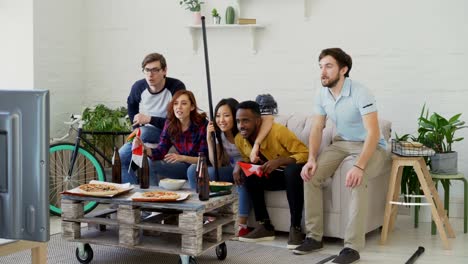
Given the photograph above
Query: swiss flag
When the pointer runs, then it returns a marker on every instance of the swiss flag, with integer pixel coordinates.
(137, 150)
(250, 169)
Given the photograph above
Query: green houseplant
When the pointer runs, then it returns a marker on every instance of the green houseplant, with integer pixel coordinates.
(104, 119)
(215, 15)
(435, 132)
(192, 5)
(195, 7)
(438, 133)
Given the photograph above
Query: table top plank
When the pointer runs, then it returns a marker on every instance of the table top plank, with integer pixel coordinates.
(190, 204)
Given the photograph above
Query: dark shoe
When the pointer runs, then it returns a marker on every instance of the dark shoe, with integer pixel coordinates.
(295, 237)
(260, 233)
(347, 256)
(309, 245)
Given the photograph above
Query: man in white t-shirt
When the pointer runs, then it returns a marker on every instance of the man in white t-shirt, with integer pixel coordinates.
(147, 106)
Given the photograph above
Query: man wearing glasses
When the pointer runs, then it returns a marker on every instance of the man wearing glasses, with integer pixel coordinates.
(147, 106)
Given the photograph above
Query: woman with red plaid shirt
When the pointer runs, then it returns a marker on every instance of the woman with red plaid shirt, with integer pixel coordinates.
(185, 129)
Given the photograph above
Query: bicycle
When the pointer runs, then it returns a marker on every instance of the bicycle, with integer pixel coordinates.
(72, 165)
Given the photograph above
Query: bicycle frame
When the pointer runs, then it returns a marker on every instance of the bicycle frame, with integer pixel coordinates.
(79, 137)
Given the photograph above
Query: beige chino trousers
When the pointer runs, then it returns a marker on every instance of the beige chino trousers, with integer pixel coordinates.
(327, 163)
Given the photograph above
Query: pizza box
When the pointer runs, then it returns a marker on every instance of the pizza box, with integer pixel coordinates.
(123, 188)
(138, 197)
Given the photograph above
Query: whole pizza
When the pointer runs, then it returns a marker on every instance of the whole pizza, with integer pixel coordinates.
(98, 189)
(161, 195)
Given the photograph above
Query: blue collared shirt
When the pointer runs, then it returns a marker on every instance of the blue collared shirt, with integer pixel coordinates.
(346, 111)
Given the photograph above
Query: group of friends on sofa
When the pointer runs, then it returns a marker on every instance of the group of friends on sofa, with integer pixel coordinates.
(167, 114)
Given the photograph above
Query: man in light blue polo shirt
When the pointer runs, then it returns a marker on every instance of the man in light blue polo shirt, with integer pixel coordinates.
(352, 108)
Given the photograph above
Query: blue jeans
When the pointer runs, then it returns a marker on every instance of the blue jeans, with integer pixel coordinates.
(160, 169)
(225, 174)
(149, 134)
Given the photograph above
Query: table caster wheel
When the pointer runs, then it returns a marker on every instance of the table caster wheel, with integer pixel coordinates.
(86, 256)
(221, 251)
(191, 260)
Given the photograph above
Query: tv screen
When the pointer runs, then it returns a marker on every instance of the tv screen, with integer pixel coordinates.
(24, 165)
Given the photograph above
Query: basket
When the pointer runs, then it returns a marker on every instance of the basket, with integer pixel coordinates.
(411, 149)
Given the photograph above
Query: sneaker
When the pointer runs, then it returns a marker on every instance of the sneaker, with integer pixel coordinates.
(243, 231)
(260, 233)
(347, 256)
(295, 237)
(309, 245)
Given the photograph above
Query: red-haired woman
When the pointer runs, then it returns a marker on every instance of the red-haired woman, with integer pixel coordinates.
(185, 129)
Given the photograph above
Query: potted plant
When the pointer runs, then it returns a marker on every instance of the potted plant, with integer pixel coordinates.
(216, 17)
(438, 133)
(195, 7)
(104, 119)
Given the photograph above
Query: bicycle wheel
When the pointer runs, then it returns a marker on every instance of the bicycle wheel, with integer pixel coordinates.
(86, 168)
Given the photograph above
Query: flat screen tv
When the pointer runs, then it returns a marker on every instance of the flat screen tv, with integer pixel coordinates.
(24, 165)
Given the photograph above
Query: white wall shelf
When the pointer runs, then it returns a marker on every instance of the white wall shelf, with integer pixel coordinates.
(195, 31)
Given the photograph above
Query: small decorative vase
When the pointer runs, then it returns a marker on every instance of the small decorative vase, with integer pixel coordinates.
(217, 20)
(230, 15)
(197, 18)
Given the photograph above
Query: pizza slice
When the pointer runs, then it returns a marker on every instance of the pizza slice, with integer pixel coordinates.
(99, 189)
(161, 195)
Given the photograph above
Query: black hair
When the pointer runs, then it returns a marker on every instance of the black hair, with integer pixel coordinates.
(232, 104)
(253, 106)
(340, 56)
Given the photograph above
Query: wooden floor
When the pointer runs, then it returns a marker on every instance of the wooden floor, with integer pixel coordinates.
(402, 243)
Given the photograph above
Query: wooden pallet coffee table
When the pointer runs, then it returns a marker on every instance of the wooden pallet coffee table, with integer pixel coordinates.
(176, 228)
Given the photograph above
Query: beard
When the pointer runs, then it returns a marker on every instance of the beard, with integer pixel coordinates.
(330, 82)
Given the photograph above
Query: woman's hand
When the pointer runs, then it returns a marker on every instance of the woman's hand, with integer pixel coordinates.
(254, 154)
(209, 131)
(174, 157)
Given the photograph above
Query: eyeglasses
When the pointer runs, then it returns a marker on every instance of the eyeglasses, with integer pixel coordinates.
(152, 70)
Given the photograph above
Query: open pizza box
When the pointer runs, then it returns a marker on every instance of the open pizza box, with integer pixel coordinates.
(120, 189)
(140, 196)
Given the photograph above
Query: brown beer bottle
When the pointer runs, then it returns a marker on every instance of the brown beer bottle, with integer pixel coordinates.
(203, 180)
(144, 173)
(116, 167)
(197, 170)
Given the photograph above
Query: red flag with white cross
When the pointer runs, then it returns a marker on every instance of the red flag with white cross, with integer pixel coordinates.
(251, 169)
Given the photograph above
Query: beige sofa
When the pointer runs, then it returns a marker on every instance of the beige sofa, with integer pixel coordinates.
(335, 195)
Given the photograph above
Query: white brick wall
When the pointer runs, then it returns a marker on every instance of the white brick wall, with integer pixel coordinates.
(59, 56)
(16, 44)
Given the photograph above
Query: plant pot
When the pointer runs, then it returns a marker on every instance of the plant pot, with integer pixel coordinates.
(197, 18)
(445, 163)
(217, 20)
(230, 15)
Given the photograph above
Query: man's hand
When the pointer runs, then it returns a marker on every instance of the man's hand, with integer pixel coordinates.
(271, 165)
(354, 177)
(254, 154)
(308, 170)
(141, 119)
(236, 174)
(173, 158)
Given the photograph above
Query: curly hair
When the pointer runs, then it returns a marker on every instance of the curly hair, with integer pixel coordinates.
(174, 127)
